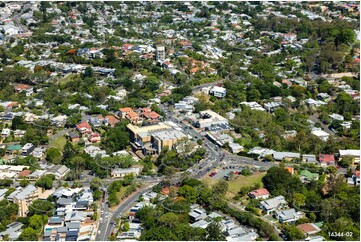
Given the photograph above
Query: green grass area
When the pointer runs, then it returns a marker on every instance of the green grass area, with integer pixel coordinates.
(121, 193)
(238, 183)
(59, 142)
(67, 78)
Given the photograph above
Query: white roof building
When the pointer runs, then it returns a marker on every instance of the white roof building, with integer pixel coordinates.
(320, 134)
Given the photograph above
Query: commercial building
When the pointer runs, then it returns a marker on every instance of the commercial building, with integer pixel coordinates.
(153, 138)
(208, 118)
(166, 138)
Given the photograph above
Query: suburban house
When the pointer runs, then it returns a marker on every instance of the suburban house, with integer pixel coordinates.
(5, 133)
(273, 204)
(217, 91)
(197, 214)
(13, 231)
(94, 137)
(121, 172)
(73, 136)
(327, 160)
(58, 170)
(96, 122)
(151, 116)
(13, 149)
(84, 127)
(309, 228)
(287, 216)
(320, 134)
(285, 155)
(262, 193)
(307, 176)
(110, 120)
(133, 117)
(355, 154)
(27, 149)
(355, 179)
(309, 158)
(125, 111)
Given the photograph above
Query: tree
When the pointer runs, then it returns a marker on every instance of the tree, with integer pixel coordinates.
(88, 72)
(116, 139)
(96, 183)
(346, 36)
(28, 234)
(24, 183)
(158, 234)
(346, 161)
(97, 195)
(128, 179)
(220, 188)
(276, 180)
(44, 182)
(342, 224)
(39, 206)
(53, 155)
(126, 226)
(299, 199)
(246, 172)
(78, 163)
(298, 91)
(214, 232)
(168, 220)
(36, 222)
(18, 123)
(188, 193)
(293, 233)
(68, 151)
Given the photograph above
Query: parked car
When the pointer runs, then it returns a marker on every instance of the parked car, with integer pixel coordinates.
(213, 174)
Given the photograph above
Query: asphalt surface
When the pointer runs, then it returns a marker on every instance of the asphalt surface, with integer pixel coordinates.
(106, 226)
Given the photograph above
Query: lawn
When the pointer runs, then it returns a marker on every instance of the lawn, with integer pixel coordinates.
(59, 142)
(238, 183)
(67, 78)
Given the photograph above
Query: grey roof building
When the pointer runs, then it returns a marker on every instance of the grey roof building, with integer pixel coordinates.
(273, 204)
(285, 155)
(287, 216)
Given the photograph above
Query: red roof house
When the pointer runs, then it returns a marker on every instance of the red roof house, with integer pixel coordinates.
(262, 193)
(327, 159)
(309, 228)
(84, 127)
(94, 137)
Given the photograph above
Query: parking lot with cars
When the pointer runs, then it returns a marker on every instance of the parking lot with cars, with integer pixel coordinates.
(226, 170)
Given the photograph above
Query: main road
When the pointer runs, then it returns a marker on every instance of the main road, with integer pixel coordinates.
(108, 217)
